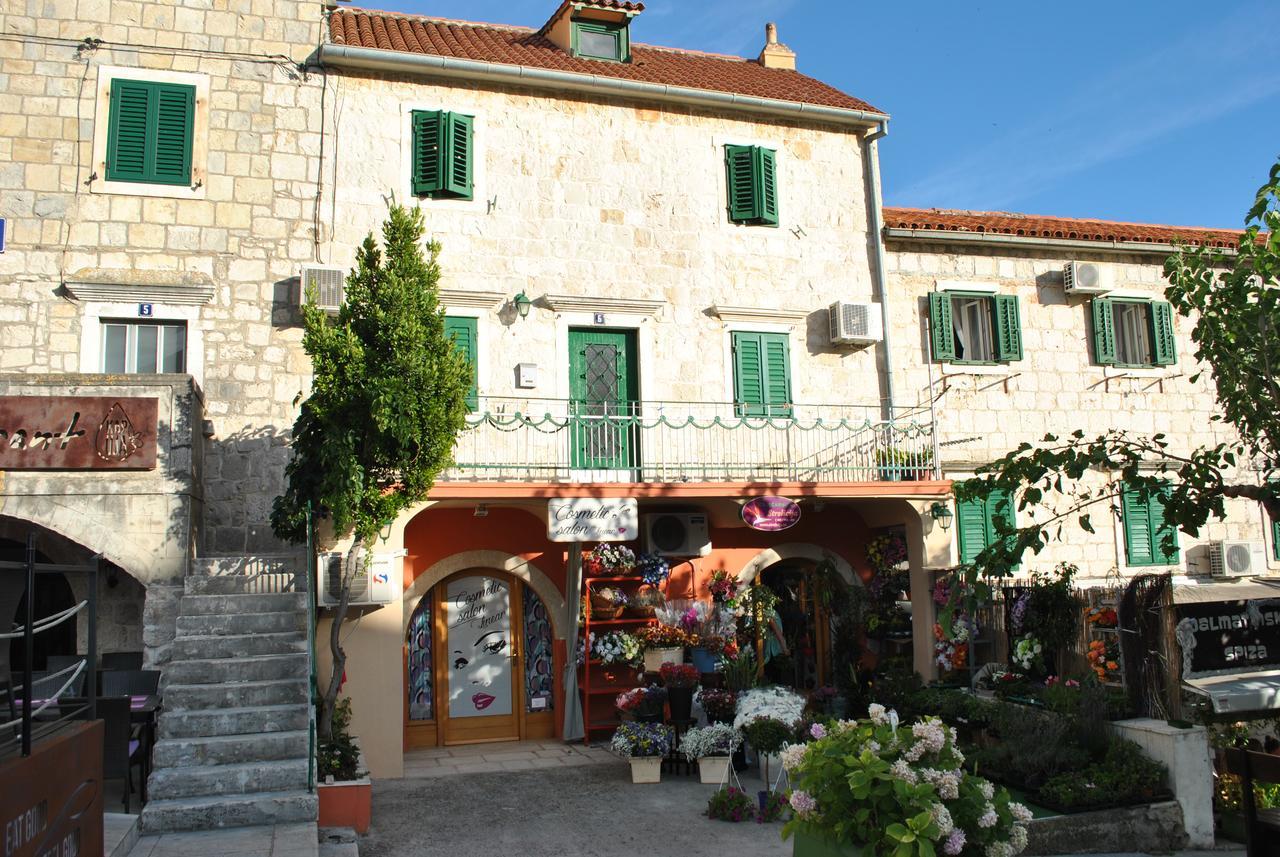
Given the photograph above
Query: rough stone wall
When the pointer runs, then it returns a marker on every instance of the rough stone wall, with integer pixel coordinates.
(247, 236)
(1056, 387)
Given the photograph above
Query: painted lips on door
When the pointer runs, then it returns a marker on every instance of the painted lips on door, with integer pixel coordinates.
(482, 701)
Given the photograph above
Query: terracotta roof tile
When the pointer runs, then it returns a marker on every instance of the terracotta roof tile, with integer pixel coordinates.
(1037, 226)
(523, 46)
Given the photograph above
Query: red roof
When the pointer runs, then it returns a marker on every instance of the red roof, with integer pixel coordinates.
(521, 46)
(1037, 226)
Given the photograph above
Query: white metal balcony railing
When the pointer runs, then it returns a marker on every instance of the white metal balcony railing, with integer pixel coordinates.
(559, 440)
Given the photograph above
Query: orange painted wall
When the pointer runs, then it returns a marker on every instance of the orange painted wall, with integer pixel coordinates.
(439, 533)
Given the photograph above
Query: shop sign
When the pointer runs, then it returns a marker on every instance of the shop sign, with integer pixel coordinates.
(478, 612)
(51, 801)
(77, 433)
(591, 519)
(1218, 636)
(771, 514)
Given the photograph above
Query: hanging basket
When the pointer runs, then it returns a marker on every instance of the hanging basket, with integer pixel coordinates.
(604, 606)
(645, 602)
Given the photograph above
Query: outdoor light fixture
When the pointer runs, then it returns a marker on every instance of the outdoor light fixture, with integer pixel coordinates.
(941, 513)
(522, 304)
(481, 511)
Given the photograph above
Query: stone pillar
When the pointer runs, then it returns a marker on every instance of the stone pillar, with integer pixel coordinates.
(1185, 752)
(928, 550)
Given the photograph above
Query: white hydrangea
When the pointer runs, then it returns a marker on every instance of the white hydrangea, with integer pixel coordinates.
(901, 770)
(988, 817)
(792, 756)
(1018, 839)
(1020, 812)
(999, 849)
(989, 791)
(931, 734)
(942, 818)
(878, 714)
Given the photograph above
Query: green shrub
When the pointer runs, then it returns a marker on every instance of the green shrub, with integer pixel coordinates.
(767, 735)
(339, 757)
(1125, 775)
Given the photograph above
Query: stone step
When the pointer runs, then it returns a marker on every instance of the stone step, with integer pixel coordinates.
(233, 721)
(237, 779)
(230, 749)
(241, 623)
(217, 811)
(257, 668)
(283, 602)
(237, 645)
(248, 694)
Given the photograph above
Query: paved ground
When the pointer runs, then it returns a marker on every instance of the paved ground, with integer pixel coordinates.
(590, 810)
(504, 756)
(282, 840)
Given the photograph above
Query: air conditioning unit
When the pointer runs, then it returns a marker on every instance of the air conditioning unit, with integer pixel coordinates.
(381, 582)
(324, 284)
(1087, 278)
(854, 323)
(677, 534)
(1236, 559)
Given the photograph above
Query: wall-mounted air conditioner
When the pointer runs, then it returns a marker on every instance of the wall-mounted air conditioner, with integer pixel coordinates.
(324, 284)
(1087, 278)
(1236, 559)
(677, 534)
(854, 323)
(380, 582)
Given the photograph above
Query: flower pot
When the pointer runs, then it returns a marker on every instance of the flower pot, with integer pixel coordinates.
(705, 661)
(648, 715)
(713, 770)
(655, 658)
(806, 844)
(646, 769)
(346, 804)
(681, 700)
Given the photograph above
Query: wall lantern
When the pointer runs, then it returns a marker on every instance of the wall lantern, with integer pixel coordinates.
(941, 513)
(522, 304)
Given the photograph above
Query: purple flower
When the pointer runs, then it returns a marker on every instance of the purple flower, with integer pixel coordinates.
(954, 843)
(817, 730)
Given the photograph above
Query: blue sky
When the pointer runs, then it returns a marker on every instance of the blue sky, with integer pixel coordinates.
(1161, 112)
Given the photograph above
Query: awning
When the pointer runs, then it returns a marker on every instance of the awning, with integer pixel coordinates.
(1222, 590)
(1240, 692)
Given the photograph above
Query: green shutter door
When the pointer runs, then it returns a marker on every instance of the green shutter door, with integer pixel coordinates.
(766, 187)
(1275, 538)
(777, 374)
(1008, 328)
(1164, 344)
(739, 166)
(603, 385)
(971, 528)
(150, 132)
(1155, 513)
(748, 374)
(999, 508)
(1104, 332)
(463, 331)
(458, 170)
(940, 329)
(175, 126)
(428, 151)
(1136, 513)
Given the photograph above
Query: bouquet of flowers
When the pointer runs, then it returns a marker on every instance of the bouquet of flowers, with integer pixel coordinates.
(642, 699)
(885, 552)
(723, 587)
(718, 645)
(1102, 617)
(718, 739)
(1028, 654)
(718, 704)
(1103, 659)
(664, 637)
(899, 790)
(679, 675)
(653, 568)
(777, 703)
(616, 647)
(608, 559)
(951, 653)
(641, 739)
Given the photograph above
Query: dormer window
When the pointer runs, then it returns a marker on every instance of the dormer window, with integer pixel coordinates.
(600, 40)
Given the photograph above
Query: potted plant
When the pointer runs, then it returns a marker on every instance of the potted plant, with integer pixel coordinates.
(607, 602)
(653, 568)
(767, 736)
(608, 560)
(723, 588)
(767, 716)
(617, 648)
(662, 644)
(718, 704)
(345, 793)
(643, 704)
(711, 746)
(904, 465)
(680, 681)
(644, 745)
(644, 602)
(872, 787)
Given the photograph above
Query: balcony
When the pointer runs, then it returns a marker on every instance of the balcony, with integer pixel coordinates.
(566, 441)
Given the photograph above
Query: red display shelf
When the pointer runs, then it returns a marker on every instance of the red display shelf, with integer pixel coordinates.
(606, 691)
(615, 579)
(622, 621)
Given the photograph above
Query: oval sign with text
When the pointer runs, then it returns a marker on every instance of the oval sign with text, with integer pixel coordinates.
(771, 514)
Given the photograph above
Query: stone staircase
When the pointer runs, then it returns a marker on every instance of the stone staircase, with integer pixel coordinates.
(233, 742)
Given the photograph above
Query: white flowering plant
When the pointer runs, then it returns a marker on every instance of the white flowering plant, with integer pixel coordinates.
(1027, 653)
(717, 739)
(899, 791)
(776, 703)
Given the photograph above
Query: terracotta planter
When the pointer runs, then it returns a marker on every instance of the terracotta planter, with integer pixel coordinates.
(805, 844)
(646, 769)
(713, 770)
(346, 804)
(655, 658)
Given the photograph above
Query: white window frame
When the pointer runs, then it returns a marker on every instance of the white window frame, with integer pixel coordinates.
(131, 351)
(95, 313)
(1129, 308)
(199, 142)
(479, 201)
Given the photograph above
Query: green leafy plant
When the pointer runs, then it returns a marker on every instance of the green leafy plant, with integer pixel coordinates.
(338, 756)
(731, 804)
(1125, 775)
(767, 735)
(740, 671)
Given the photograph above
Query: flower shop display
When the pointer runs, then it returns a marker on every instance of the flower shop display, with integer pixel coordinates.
(608, 559)
(1102, 617)
(1104, 659)
(877, 787)
(663, 644)
(644, 704)
(644, 602)
(615, 648)
(607, 602)
(653, 568)
(1049, 609)
(711, 747)
(707, 655)
(1028, 655)
(767, 736)
(731, 804)
(680, 681)
(644, 745)
(777, 703)
(719, 705)
(951, 651)
(723, 587)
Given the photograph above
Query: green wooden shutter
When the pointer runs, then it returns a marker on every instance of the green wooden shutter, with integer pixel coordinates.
(740, 180)
(777, 373)
(971, 528)
(428, 151)
(1164, 345)
(1137, 529)
(175, 126)
(458, 168)
(1104, 332)
(150, 132)
(748, 374)
(1008, 328)
(999, 507)
(463, 331)
(944, 340)
(127, 135)
(1159, 529)
(766, 187)
(1275, 538)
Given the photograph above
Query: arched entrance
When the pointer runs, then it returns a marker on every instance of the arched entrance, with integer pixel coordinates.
(53, 595)
(478, 662)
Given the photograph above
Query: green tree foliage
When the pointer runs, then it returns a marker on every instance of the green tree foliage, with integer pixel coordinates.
(1234, 301)
(388, 399)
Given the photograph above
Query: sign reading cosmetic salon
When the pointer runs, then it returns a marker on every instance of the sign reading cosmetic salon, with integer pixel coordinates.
(478, 610)
(590, 519)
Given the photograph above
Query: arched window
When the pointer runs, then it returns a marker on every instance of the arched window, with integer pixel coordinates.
(420, 699)
(537, 646)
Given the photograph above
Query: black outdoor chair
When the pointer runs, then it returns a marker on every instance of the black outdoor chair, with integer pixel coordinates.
(121, 751)
(130, 682)
(122, 661)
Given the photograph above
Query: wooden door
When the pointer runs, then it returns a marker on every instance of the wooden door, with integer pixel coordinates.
(478, 666)
(603, 390)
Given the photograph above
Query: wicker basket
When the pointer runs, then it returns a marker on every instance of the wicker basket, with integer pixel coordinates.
(645, 603)
(604, 607)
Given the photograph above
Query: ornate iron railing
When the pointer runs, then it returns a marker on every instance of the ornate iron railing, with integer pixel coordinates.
(558, 440)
